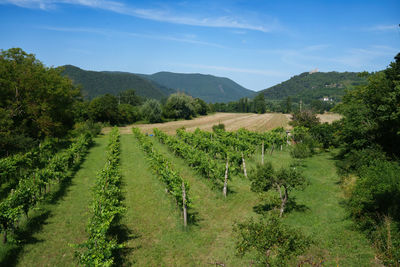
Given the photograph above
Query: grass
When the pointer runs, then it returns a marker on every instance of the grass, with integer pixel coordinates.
(158, 235)
(58, 222)
(154, 233)
(323, 215)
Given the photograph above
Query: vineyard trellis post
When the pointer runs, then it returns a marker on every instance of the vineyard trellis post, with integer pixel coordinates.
(262, 153)
(244, 166)
(184, 204)
(226, 176)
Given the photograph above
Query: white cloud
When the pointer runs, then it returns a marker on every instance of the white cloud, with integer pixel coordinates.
(239, 70)
(188, 38)
(150, 14)
(383, 28)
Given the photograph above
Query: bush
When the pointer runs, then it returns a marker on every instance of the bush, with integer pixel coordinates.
(273, 242)
(94, 128)
(218, 127)
(300, 151)
(305, 118)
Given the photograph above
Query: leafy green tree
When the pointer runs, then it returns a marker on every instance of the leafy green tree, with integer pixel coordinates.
(371, 113)
(129, 97)
(104, 109)
(305, 118)
(288, 105)
(35, 101)
(273, 242)
(151, 111)
(128, 113)
(201, 107)
(265, 178)
(180, 106)
(259, 104)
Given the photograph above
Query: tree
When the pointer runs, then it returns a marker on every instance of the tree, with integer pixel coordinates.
(104, 109)
(273, 242)
(35, 101)
(201, 107)
(371, 113)
(151, 111)
(129, 97)
(259, 104)
(305, 118)
(288, 105)
(265, 178)
(180, 106)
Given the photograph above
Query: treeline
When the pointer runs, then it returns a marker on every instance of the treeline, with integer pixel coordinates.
(127, 107)
(37, 103)
(262, 105)
(369, 158)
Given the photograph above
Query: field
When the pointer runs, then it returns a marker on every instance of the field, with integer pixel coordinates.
(232, 121)
(153, 231)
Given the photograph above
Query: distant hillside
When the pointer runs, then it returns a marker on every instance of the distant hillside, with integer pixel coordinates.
(96, 83)
(207, 87)
(314, 86)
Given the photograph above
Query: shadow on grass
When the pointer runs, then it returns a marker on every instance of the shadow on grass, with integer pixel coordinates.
(291, 205)
(24, 235)
(123, 234)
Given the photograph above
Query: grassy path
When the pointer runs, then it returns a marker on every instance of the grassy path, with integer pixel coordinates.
(322, 215)
(155, 220)
(67, 218)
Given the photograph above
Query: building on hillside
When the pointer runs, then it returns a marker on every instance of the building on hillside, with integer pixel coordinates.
(313, 71)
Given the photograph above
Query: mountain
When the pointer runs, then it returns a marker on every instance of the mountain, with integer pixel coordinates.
(158, 85)
(314, 85)
(207, 87)
(96, 83)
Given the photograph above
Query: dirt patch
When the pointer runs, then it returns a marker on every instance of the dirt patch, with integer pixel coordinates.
(232, 121)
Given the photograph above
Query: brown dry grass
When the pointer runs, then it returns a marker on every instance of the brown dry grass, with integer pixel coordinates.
(232, 121)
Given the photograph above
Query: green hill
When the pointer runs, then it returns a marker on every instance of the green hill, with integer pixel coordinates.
(207, 87)
(96, 83)
(308, 87)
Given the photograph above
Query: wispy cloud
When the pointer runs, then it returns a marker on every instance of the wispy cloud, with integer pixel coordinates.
(151, 14)
(188, 38)
(383, 28)
(239, 70)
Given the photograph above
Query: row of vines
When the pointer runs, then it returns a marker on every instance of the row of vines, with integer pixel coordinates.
(107, 209)
(174, 183)
(34, 185)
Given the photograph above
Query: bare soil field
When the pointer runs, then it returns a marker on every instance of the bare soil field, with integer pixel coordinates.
(232, 121)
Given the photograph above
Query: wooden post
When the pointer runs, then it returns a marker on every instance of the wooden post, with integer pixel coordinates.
(272, 148)
(184, 204)
(244, 166)
(262, 153)
(226, 176)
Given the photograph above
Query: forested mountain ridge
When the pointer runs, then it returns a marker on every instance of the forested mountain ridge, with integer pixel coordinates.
(207, 87)
(95, 83)
(308, 87)
(159, 85)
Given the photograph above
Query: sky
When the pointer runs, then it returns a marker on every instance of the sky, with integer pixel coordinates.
(255, 43)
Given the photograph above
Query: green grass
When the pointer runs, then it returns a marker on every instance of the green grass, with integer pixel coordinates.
(158, 237)
(58, 222)
(154, 233)
(323, 217)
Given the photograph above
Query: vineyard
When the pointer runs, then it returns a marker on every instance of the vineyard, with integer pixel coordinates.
(161, 199)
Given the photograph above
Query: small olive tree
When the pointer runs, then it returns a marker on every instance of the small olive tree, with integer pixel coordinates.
(265, 178)
(270, 241)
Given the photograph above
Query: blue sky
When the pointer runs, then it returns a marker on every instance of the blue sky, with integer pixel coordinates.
(255, 43)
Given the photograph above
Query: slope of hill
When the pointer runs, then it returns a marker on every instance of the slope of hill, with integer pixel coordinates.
(207, 87)
(314, 86)
(96, 83)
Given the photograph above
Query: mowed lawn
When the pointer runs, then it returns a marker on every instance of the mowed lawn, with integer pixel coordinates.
(154, 230)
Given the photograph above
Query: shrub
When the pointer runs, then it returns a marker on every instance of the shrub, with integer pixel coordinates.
(218, 127)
